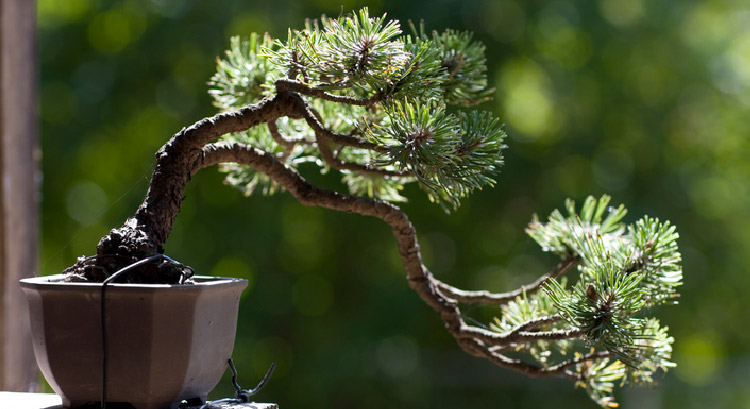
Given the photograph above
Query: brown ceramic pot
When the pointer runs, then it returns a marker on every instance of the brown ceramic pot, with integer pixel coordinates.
(166, 343)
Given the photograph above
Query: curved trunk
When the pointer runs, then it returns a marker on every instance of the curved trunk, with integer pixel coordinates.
(144, 234)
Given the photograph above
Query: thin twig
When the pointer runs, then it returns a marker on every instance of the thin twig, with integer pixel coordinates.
(517, 365)
(300, 88)
(340, 139)
(283, 140)
(533, 324)
(487, 297)
(332, 160)
(323, 135)
(550, 335)
(592, 356)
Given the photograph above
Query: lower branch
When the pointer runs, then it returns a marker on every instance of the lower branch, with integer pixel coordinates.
(419, 277)
(474, 340)
(486, 297)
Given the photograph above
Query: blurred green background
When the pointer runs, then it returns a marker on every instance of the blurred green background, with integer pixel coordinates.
(648, 101)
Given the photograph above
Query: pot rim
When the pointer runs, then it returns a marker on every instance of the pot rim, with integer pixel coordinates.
(56, 281)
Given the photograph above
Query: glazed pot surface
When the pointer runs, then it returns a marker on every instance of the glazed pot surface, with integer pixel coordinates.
(165, 343)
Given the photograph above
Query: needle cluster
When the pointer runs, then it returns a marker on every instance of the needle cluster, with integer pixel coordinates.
(380, 99)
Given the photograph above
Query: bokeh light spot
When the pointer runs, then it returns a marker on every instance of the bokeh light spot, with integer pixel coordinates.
(732, 73)
(51, 13)
(111, 31)
(558, 37)
(652, 82)
(565, 45)
(234, 267)
(699, 357)
(621, 13)
(86, 202)
(705, 26)
(527, 99)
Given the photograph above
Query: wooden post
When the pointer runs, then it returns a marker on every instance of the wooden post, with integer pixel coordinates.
(19, 193)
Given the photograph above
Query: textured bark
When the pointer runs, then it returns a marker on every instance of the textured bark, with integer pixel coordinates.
(174, 161)
(145, 233)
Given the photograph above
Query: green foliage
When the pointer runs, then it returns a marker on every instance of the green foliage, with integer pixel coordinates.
(655, 255)
(529, 308)
(450, 155)
(599, 378)
(409, 79)
(462, 65)
(653, 349)
(646, 250)
(563, 235)
(359, 52)
(622, 272)
(422, 75)
(383, 187)
(243, 77)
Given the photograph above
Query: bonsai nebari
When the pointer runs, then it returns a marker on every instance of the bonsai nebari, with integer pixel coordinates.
(357, 96)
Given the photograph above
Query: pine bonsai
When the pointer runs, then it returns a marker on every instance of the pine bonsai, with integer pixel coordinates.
(382, 108)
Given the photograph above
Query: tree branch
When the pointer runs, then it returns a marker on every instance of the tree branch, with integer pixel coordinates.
(340, 139)
(487, 297)
(419, 278)
(300, 88)
(550, 335)
(533, 324)
(517, 365)
(152, 223)
(591, 356)
(331, 160)
(476, 341)
(273, 129)
(323, 135)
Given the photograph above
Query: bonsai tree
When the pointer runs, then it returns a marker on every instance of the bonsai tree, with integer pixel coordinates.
(382, 108)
